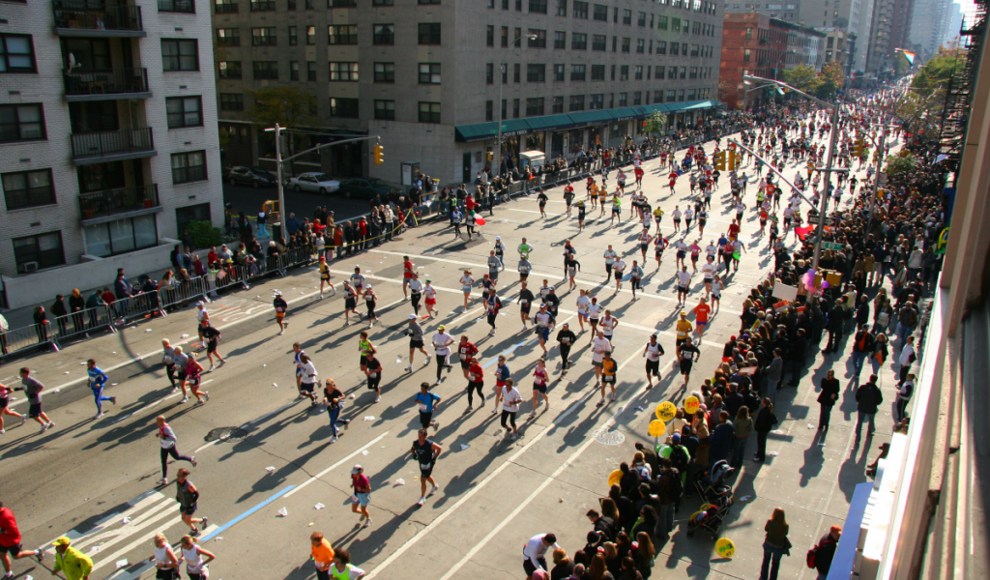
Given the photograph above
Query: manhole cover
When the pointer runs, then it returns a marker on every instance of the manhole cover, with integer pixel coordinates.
(225, 434)
(606, 437)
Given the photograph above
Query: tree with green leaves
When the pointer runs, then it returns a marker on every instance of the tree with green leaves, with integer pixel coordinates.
(656, 124)
(937, 71)
(832, 79)
(287, 105)
(803, 78)
(904, 161)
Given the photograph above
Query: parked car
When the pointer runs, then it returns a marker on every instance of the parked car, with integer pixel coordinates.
(368, 188)
(314, 182)
(253, 176)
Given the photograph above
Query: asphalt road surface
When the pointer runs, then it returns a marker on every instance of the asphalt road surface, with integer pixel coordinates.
(261, 450)
(303, 204)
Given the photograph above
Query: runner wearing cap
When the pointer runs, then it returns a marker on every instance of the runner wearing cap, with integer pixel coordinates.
(565, 340)
(500, 251)
(431, 299)
(609, 369)
(281, 306)
(362, 494)
(325, 277)
(544, 324)
(70, 561)
(416, 341)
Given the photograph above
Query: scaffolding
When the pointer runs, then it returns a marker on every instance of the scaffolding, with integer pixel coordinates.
(955, 114)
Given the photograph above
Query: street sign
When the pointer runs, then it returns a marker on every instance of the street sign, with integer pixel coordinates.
(832, 246)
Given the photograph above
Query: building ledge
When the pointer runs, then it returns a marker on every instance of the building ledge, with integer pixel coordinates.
(120, 216)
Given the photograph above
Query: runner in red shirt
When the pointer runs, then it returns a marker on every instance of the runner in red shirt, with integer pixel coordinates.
(734, 230)
(465, 352)
(407, 273)
(639, 177)
(701, 313)
(10, 541)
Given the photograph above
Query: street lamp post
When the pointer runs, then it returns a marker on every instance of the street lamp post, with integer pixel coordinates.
(502, 71)
(834, 107)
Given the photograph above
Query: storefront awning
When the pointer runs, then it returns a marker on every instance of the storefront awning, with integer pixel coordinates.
(559, 122)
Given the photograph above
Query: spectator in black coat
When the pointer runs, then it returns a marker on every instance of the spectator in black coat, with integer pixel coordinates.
(868, 401)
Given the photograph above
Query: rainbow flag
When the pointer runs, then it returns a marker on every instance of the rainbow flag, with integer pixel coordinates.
(910, 56)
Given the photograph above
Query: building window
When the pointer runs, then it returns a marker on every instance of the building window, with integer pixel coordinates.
(341, 3)
(505, 36)
(580, 11)
(600, 13)
(596, 101)
(311, 70)
(540, 40)
(624, 72)
(694, 50)
(691, 94)
(658, 73)
(623, 99)
(266, 70)
(626, 43)
(186, 6)
(290, 5)
(598, 42)
(680, 95)
(231, 102)
(225, 6)
(28, 189)
(534, 107)
(229, 69)
(536, 73)
(694, 73)
(560, 40)
(429, 33)
(38, 252)
(577, 103)
(344, 108)
(22, 123)
(661, 47)
(558, 73)
(228, 36)
(657, 96)
(641, 21)
(293, 36)
(184, 112)
(180, 55)
(342, 34)
(344, 71)
(382, 2)
(489, 110)
(264, 36)
(577, 72)
(121, 236)
(262, 5)
(384, 72)
(637, 98)
(384, 34)
(429, 73)
(597, 72)
(579, 41)
(671, 96)
(490, 36)
(538, 6)
(662, 23)
(429, 1)
(429, 112)
(675, 24)
(515, 108)
(747, 55)
(638, 73)
(16, 54)
(516, 72)
(640, 46)
(557, 105)
(683, 72)
(490, 73)
(188, 167)
(561, 7)
(675, 48)
(293, 70)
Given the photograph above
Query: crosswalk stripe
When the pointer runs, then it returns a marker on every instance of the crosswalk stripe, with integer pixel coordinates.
(144, 538)
(112, 536)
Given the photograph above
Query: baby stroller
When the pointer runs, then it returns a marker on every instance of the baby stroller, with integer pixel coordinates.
(712, 484)
(711, 519)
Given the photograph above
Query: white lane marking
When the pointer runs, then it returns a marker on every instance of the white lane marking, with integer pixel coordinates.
(467, 497)
(335, 465)
(533, 275)
(143, 538)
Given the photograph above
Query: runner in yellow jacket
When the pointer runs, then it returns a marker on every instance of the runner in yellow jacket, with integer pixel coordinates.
(70, 561)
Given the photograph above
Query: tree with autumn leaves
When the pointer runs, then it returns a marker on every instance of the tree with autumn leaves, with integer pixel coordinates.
(822, 85)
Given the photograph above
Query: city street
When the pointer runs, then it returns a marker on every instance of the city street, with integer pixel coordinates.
(260, 449)
(250, 200)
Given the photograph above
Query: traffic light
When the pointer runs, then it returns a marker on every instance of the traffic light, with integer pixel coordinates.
(379, 154)
(732, 160)
(858, 147)
(720, 161)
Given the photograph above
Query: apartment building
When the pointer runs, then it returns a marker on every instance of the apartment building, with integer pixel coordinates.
(109, 139)
(753, 44)
(435, 77)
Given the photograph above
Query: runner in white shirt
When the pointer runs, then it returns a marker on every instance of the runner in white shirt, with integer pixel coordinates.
(594, 314)
(583, 307)
(676, 214)
(709, 269)
(431, 299)
(610, 256)
(599, 346)
(652, 353)
(534, 554)
(357, 281)
(683, 284)
(608, 324)
(618, 268)
(441, 345)
(681, 249)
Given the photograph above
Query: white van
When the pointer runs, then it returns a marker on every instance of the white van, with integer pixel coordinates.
(533, 159)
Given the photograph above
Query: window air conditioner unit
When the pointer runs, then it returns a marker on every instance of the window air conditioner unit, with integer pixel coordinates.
(28, 267)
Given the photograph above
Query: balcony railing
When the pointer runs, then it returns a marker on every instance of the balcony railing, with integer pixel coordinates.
(96, 16)
(118, 81)
(116, 201)
(112, 143)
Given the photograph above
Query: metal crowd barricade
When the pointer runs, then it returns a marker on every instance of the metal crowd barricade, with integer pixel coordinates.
(27, 337)
(83, 322)
(143, 305)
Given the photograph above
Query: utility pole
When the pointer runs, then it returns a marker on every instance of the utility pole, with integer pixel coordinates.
(828, 182)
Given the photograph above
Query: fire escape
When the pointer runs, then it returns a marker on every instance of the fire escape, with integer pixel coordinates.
(955, 114)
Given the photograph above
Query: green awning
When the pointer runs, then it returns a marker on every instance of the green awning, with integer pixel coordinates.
(692, 106)
(550, 122)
